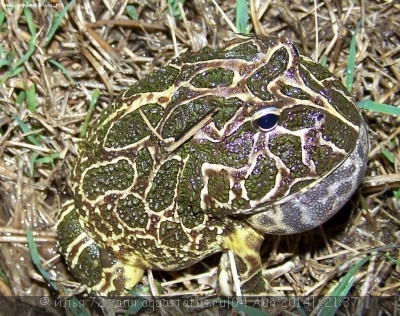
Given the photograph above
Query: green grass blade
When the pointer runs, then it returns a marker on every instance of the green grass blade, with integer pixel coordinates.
(32, 30)
(25, 129)
(389, 156)
(324, 61)
(16, 71)
(73, 303)
(173, 6)
(26, 56)
(16, 68)
(29, 21)
(57, 22)
(300, 310)
(132, 13)
(352, 60)
(2, 18)
(4, 277)
(63, 70)
(379, 107)
(30, 98)
(93, 102)
(47, 159)
(36, 259)
(242, 16)
(4, 62)
(343, 288)
(21, 97)
(32, 161)
(393, 260)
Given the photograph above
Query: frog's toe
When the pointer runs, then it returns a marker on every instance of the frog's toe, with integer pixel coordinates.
(95, 268)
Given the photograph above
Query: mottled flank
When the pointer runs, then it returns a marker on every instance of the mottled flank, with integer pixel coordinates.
(208, 154)
(130, 211)
(112, 176)
(144, 165)
(163, 186)
(128, 130)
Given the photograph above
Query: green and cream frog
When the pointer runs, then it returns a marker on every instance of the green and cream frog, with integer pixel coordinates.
(208, 154)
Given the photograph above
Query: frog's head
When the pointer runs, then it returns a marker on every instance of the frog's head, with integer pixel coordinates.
(260, 131)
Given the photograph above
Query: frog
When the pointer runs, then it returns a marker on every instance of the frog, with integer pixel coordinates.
(211, 153)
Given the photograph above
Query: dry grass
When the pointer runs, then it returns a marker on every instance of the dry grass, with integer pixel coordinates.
(101, 48)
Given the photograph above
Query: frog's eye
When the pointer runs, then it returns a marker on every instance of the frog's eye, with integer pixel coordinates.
(266, 119)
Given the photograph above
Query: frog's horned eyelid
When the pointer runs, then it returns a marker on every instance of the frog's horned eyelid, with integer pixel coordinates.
(265, 111)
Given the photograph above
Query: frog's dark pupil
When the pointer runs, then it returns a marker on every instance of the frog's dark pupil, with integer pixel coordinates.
(267, 121)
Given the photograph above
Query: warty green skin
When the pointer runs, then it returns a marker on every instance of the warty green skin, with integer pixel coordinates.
(177, 167)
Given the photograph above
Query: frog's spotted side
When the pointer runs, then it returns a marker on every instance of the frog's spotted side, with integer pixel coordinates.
(210, 153)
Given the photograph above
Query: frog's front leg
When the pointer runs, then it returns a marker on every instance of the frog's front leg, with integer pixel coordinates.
(245, 244)
(96, 269)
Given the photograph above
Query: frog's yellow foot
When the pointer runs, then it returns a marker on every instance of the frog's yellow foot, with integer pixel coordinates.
(244, 243)
(96, 269)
